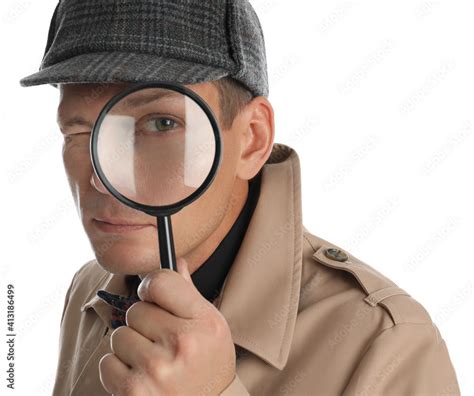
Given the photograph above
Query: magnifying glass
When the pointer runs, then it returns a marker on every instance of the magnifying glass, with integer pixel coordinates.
(156, 147)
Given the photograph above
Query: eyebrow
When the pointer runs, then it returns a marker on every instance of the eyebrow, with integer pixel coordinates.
(140, 100)
(75, 120)
(134, 101)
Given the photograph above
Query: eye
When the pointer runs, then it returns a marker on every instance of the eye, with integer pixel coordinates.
(69, 137)
(157, 124)
(162, 124)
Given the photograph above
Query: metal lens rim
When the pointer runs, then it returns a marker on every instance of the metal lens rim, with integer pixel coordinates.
(164, 209)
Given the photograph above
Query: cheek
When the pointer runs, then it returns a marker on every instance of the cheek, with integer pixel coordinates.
(197, 221)
(77, 164)
(219, 193)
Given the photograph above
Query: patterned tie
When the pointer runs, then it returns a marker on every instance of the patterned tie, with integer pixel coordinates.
(119, 304)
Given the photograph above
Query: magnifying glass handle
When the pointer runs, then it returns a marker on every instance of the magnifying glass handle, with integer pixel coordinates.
(166, 244)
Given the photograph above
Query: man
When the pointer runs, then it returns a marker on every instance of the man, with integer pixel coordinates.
(259, 304)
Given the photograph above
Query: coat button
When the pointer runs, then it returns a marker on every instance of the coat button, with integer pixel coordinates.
(335, 254)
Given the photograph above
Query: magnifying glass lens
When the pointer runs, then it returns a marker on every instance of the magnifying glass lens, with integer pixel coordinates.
(156, 146)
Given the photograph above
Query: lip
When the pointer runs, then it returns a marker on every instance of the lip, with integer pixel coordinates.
(118, 226)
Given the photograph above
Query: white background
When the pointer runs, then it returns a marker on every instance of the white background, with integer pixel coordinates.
(376, 97)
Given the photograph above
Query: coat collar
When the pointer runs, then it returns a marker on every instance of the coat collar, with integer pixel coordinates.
(260, 295)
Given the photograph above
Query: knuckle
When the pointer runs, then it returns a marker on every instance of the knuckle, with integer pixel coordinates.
(151, 365)
(216, 327)
(186, 344)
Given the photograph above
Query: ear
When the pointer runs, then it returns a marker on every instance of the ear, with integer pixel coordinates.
(258, 124)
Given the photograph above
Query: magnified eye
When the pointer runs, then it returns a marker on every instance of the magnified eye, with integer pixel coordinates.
(160, 124)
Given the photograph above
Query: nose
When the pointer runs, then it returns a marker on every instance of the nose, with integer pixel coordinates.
(97, 184)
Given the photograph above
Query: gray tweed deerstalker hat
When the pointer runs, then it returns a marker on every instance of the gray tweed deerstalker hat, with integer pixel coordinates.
(184, 41)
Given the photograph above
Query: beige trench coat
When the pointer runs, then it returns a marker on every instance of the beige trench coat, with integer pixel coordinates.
(307, 317)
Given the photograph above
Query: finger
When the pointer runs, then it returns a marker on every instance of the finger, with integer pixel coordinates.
(172, 292)
(113, 373)
(183, 269)
(157, 325)
(132, 348)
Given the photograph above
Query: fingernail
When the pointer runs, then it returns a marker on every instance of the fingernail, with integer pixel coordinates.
(141, 291)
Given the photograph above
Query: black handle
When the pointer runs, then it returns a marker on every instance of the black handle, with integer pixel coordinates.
(165, 242)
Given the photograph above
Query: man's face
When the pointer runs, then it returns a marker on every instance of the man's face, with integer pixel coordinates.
(128, 250)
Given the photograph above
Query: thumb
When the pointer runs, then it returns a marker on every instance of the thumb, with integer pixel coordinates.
(183, 269)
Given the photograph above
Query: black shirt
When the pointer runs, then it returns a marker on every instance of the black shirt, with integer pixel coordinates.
(210, 276)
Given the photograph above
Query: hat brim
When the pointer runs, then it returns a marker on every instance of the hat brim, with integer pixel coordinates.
(115, 67)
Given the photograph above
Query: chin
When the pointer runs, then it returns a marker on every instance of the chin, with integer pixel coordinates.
(122, 258)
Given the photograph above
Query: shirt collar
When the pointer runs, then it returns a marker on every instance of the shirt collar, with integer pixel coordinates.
(260, 295)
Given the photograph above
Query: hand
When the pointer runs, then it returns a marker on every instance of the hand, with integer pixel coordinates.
(175, 342)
